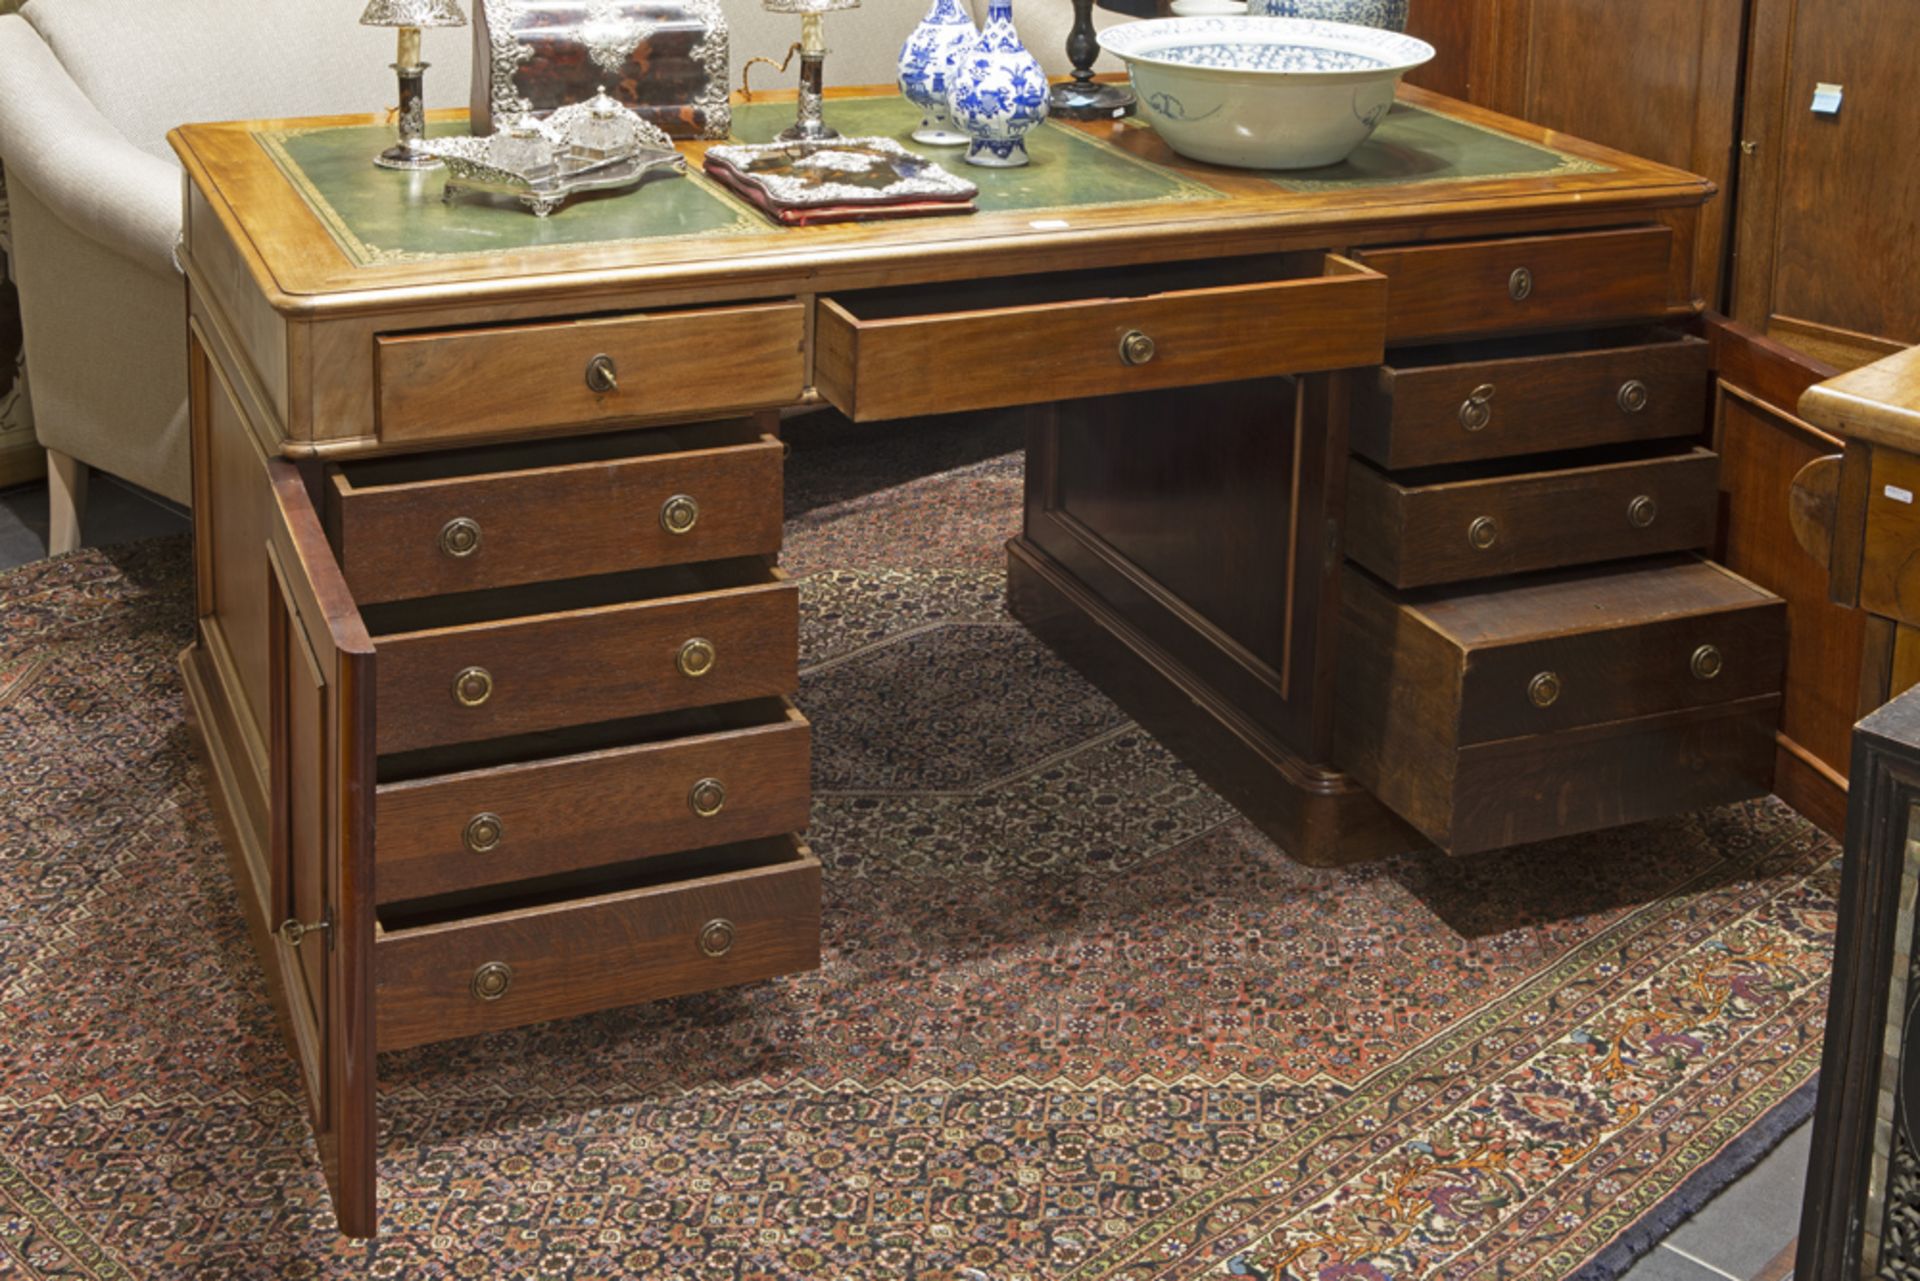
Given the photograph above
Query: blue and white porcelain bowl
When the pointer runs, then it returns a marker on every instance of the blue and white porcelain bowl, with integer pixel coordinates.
(1263, 93)
(1388, 15)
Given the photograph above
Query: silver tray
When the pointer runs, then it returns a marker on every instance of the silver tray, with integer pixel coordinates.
(469, 169)
(642, 148)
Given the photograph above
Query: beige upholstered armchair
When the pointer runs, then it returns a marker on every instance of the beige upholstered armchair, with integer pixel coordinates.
(88, 91)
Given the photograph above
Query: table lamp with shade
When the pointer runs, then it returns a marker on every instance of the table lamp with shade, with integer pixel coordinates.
(809, 123)
(410, 16)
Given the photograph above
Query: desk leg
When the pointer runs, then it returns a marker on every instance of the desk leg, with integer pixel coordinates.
(1178, 548)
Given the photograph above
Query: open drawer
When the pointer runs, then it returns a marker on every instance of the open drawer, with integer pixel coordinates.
(1551, 704)
(1463, 402)
(515, 660)
(1450, 524)
(462, 520)
(568, 945)
(895, 353)
(462, 817)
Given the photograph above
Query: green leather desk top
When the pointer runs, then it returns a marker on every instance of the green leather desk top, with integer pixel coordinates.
(378, 216)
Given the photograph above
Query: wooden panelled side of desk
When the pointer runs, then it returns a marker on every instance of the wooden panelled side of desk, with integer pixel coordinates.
(1857, 515)
(1854, 513)
(1380, 503)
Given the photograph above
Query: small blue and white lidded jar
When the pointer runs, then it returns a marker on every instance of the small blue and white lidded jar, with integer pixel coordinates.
(999, 92)
(926, 70)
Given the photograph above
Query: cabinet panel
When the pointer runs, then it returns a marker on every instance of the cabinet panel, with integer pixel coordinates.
(320, 864)
(1826, 222)
(1651, 77)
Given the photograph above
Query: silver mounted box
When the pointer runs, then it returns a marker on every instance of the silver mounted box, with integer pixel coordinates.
(665, 59)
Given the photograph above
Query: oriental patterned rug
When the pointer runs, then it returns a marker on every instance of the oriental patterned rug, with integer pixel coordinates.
(1076, 1019)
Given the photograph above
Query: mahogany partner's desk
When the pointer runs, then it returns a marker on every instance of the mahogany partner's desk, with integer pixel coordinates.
(1374, 491)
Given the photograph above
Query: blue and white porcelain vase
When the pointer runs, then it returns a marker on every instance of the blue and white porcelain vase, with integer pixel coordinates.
(999, 92)
(1388, 15)
(926, 70)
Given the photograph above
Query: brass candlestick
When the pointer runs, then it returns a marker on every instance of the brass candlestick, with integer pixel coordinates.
(809, 122)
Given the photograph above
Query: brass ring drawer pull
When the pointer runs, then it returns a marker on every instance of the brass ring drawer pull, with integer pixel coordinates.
(491, 981)
(1708, 662)
(679, 514)
(1632, 397)
(484, 833)
(460, 537)
(707, 797)
(1483, 533)
(292, 930)
(716, 937)
(1642, 511)
(696, 657)
(473, 686)
(1476, 411)
(1544, 689)
(1136, 348)
(602, 375)
(1520, 284)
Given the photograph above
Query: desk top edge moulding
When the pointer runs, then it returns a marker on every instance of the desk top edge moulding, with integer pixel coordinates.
(495, 659)
(296, 261)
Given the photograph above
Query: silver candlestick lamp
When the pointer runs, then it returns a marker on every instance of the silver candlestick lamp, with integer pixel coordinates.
(410, 16)
(809, 124)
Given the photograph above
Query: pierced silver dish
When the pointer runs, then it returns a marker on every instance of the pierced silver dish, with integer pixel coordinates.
(590, 146)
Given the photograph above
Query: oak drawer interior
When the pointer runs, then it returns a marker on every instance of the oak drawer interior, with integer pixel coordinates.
(389, 620)
(485, 904)
(460, 520)
(1086, 333)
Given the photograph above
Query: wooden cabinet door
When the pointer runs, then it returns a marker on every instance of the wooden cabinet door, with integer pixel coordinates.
(1763, 444)
(321, 853)
(1828, 244)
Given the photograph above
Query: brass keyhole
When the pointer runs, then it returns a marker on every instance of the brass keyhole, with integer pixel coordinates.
(1520, 284)
(1476, 411)
(1708, 662)
(473, 686)
(460, 537)
(484, 832)
(679, 514)
(491, 981)
(603, 375)
(1642, 511)
(716, 937)
(1633, 396)
(707, 797)
(696, 657)
(1544, 689)
(1136, 348)
(1483, 533)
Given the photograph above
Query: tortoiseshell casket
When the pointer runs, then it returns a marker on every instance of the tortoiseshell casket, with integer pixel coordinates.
(666, 59)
